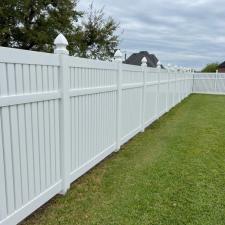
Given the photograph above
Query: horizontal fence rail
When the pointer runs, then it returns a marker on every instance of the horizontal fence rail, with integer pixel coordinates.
(61, 115)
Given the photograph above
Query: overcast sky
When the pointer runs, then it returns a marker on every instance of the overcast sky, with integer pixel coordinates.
(181, 32)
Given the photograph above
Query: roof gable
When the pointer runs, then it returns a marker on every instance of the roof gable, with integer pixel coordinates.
(135, 59)
(222, 65)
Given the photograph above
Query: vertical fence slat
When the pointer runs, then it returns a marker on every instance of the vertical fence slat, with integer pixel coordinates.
(3, 203)
(34, 128)
(41, 145)
(23, 154)
(57, 139)
(14, 137)
(51, 126)
(41, 139)
(8, 159)
(6, 142)
(28, 133)
(36, 148)
(29, 147)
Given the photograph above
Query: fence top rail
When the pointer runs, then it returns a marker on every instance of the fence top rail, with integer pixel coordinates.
(90, 63)
(133, 68)
(18, 56)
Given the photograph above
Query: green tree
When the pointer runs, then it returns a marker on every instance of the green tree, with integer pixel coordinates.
(34, 24)
(211, 68)
(96, 37)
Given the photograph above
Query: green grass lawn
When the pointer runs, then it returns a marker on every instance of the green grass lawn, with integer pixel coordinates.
(174, 173)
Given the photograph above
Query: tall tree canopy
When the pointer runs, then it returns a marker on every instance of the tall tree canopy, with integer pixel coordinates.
(97, 36)
(211, 68)
(34, 24)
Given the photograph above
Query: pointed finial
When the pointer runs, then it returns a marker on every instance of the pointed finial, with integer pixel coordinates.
(176, 68)
(60, 45)
(168, 66)
(118, 56)
(144, 62)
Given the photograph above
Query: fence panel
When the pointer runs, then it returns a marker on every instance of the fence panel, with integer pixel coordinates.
(211, 83)
(151, 96)
(93, 107)
(220, 83)
(29, 121)
(61, 115)
(132, 84)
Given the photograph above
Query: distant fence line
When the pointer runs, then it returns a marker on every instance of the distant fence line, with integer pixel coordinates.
(211, 83)
(61, 115)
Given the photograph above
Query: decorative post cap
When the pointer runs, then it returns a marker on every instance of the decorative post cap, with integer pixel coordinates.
(159, 64)
(168, 66)
(118, 56)
(60, 45)
(144, 62)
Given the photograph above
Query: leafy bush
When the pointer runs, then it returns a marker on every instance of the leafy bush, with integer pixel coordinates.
(211, 68)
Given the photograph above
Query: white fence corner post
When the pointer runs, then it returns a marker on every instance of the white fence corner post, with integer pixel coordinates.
(193, 82)
(118, 59)
(60, 49)
(144, 65)
(216, 79)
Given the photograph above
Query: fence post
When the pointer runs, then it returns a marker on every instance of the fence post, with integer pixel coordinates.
(176, 87)
(168, 91)
(173, 82)
(60, 49)
(193, 83)
(144, 65)
(118, 58)
(158, 84)
(216, 81)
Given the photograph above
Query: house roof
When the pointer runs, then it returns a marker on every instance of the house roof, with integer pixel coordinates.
(135, 59)
(222, 65)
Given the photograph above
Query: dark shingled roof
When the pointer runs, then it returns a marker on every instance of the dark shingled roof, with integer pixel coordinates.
(135, 59)
(222, 65)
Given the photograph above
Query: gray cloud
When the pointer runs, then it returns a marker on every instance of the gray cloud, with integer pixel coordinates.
(181, 32)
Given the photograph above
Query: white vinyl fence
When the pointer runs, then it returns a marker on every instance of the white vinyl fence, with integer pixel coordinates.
(209, 83)
(61, 115)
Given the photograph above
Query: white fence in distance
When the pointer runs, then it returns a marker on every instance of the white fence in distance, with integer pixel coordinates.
(61, 115)
(209, 83)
